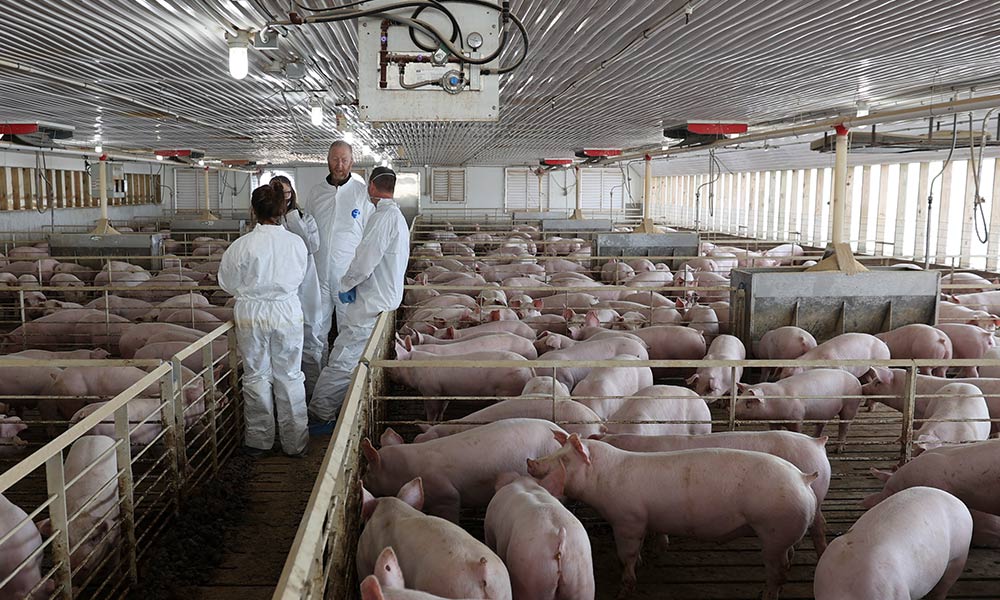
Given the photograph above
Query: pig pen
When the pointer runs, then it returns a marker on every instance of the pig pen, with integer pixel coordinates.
(321, 563)
(158, 452)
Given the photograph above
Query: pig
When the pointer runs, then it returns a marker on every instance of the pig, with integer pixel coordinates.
(722, 314)
(567, 413)
(970, 472)
(987, 301)
(955, 401)
(649, 298)
(713, 382)
(499, 341)
(540, 323)
(562, 265)
(489, 328)
(137, 336)
(167, 350)
(985, 530)
(602, 349)
(444, 300)
(101, 331)
(96, 354)
(68, 280)
(546, 548)
(145, 423)
(702, 263)
(498, 273)
(426, 320)
(93, 501)
(121, 279)
(159, 288)
(558, 303)
(27, 253)
(460, 381)
(10, 442)
(711, 287)
(641, 265)
(812, 395)
(875, 558)
(24, 382)
(195, 319)
(689, 493)
(55, 330)
(616, 272)
(806, 453)
(966, 283)
(387, 583)
(660, 404)
(783, 343)
(74, 383)
(459, 470)
(968, 341)
(492, 297)
(42, 269)
(16, 550)
(130, 308)
(651, 279)
(785, 253)
(703, 319)
(919, 341)
(953, 313)
(603, 388)
(847, 346)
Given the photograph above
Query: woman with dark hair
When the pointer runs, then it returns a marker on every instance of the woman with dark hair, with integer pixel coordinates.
(304, 225)
(264, 270)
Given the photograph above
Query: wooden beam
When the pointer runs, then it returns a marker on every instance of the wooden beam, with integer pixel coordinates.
(904, 207)
(15, 180)
(761, 204)
(774, 192)
(993, 247)
(795, 206)
(944, 209)
(880, 207)
(752, 199)
(967, 215)
(4, 194)
(820, 206)
(866, 189)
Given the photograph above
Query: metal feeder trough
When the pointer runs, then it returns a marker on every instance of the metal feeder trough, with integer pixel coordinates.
(648, 244)
(137, 247)
(228, 225)
(829, 303)
(575, 225)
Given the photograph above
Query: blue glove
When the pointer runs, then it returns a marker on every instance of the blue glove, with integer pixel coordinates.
(349, 296)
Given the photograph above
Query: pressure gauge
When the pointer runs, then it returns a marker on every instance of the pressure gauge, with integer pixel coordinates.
(475, 40)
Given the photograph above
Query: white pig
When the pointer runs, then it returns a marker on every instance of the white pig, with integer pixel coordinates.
(651, 410)
(713, 382)
(913, 545)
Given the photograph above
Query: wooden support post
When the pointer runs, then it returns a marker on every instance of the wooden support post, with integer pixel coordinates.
(839, 198)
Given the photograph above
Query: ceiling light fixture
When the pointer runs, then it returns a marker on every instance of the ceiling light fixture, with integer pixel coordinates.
(316, 112)
(863, 109)
(239, 61)
(98, 148)
(158, 157)
(349, 137)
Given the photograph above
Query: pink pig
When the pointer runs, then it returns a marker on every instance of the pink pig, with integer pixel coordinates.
(876, 558)
(691, 493)
(919, 341)
(604, 388)
(968, 341)
(435, 556)
(660, 404)
(847, 346)
(457, 469)
(713, 382)
(546, 548)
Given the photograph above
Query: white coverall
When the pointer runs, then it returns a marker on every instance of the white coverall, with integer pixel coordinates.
(263, 271)
(341, 214)
(377, 270)
(304, 225)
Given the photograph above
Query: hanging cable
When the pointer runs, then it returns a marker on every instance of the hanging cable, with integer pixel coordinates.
(930, 191)
(714, 173)
(977, 173)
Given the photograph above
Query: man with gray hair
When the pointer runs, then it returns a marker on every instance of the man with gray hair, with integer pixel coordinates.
(373, 284)
(340, 206)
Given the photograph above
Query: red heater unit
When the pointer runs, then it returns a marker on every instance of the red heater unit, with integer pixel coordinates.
(556, 162)
(598, 152)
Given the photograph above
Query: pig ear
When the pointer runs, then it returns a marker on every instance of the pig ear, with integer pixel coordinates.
(555, 482)
(367, 503)
(742, 387)
(413, 493)
(495, 315)
(387, 569)
(678, 303)
(560, 436)
(424, 427)
(45, 527)
(568, 313)
(450, 333)
(391, 438)
(408, 343)
(514, 303)
(592, 320)
(371, 454)
(692, 379)
(370, 589)
(882, 476)
(597, 436)
(440, 322)
(580, 448)
(538, 303)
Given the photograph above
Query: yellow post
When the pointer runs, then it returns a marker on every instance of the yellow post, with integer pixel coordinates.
(103, 227)
(647, 200)
(207, 215)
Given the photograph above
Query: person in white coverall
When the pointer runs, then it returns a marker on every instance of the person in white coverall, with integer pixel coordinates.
(373, 284)
(263, 271)
(340, 206)
(304, 225)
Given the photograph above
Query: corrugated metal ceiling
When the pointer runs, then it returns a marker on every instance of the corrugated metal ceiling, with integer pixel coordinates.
(600, 72)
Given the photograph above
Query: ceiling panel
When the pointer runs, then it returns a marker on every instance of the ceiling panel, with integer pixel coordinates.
(154, 73)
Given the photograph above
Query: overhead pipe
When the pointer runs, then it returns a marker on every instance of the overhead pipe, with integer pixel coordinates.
(111, 156)
(839, 198)
(902, 114)
(14, 66)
